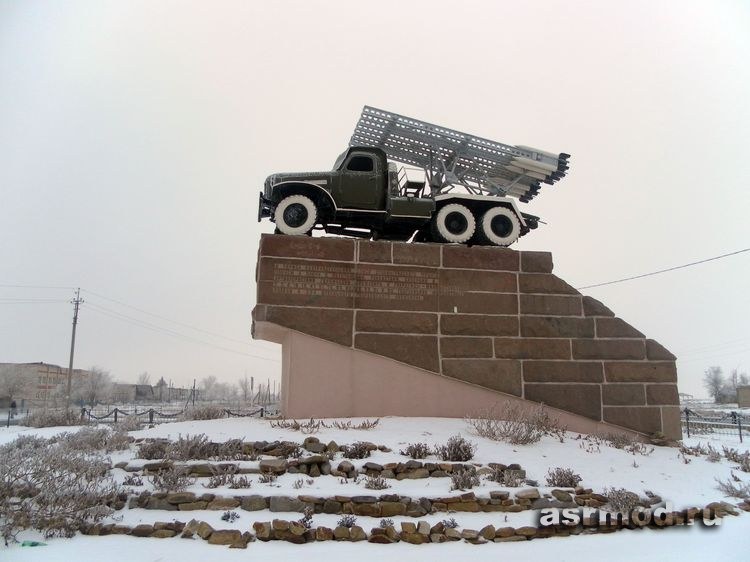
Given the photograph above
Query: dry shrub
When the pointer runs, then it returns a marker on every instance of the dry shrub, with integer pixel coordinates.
(307, 518)
(563, 478)
(267, 478)
(416, 450)
(347, 521)
(714, 456)
(54, 417)
(151, 449)
(734, 488)
(197, 447)
(132, 480)
(621, 500)
(130, 423)
(235, 450)
(629, 444)
(464, 479)
(221, 475)
(516, 424)
(457, 449)
(52, 488)
(172, 479)
(312, 426)
(507, 477)
(364, 425)
(290, 450)
(238, 482)
(695, 451)
(743, 459)
(90, 439)
(618, 440)
(357, 450)
(376, 483)
(204, 412)
(450, 523)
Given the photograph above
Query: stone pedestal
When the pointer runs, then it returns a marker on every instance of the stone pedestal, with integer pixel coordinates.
(381, 328)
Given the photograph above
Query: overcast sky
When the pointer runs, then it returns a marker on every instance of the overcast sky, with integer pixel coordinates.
(135, 136)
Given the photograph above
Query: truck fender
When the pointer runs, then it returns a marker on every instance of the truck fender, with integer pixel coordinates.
(321, 197)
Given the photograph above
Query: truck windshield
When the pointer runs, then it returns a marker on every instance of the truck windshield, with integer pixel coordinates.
(360, 164)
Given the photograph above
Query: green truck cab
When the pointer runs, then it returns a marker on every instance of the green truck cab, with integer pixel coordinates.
(366, 196)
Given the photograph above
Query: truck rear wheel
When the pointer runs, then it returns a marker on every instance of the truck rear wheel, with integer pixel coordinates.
(499, 226)
(453, 223)
(295, 215)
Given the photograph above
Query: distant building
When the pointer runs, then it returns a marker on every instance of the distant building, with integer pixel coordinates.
(124, 393)
(743, 396)
(127, 393)
(43, 385)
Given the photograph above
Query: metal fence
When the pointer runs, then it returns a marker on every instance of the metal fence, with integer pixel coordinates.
(731, 424)
(152, 416)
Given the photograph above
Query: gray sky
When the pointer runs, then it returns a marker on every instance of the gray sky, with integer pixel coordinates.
(135, 136)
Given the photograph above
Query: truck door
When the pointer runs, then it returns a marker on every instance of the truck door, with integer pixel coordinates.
(358, 183)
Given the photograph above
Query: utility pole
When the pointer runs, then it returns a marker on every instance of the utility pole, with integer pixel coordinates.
(76, 303)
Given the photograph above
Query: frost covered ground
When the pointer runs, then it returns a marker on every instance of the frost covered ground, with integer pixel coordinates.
(664, 472)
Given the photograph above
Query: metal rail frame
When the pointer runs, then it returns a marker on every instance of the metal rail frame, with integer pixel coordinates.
(453, 159)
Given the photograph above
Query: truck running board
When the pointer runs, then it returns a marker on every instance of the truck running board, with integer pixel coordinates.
(331, 229)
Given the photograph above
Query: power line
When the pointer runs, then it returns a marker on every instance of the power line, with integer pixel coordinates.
(160, 329)
(184, 325)
(714, 356)
(30, 299)
(664, 270)
(142, 311)
(716, 347)
(37, 287)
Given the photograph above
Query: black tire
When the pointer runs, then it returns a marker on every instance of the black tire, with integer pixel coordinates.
(295, 215)
(453, 223)
(499, 226)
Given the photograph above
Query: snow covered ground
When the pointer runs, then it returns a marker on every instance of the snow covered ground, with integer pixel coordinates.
(664, 472)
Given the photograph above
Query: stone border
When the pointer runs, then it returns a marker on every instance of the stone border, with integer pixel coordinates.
(384, 505)
(419, 532)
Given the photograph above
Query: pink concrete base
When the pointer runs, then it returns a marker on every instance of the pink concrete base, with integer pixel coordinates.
(324, 379)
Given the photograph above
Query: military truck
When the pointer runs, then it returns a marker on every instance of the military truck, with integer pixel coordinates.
(466, 194)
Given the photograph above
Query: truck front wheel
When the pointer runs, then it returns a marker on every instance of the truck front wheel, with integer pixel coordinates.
(295, 215)
(499, 226)
(453, 223)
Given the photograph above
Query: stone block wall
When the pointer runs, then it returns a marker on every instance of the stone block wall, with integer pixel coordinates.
(491, 317)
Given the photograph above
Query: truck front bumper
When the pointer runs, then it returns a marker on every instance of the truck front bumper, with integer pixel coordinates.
(265, 207)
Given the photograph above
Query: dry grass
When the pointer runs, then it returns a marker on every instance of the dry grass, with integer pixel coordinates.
(314, 426)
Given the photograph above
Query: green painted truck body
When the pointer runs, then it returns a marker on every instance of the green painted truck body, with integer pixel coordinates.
(362, 196)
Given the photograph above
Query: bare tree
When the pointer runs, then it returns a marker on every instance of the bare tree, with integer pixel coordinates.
(208, 386)
(244, 388)
(12, 382)
(144, 378)
(737, 379)
(713, 380)
(93, 387)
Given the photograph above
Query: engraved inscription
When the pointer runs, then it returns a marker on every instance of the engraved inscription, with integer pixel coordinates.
(312, 280)
(368, 282)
